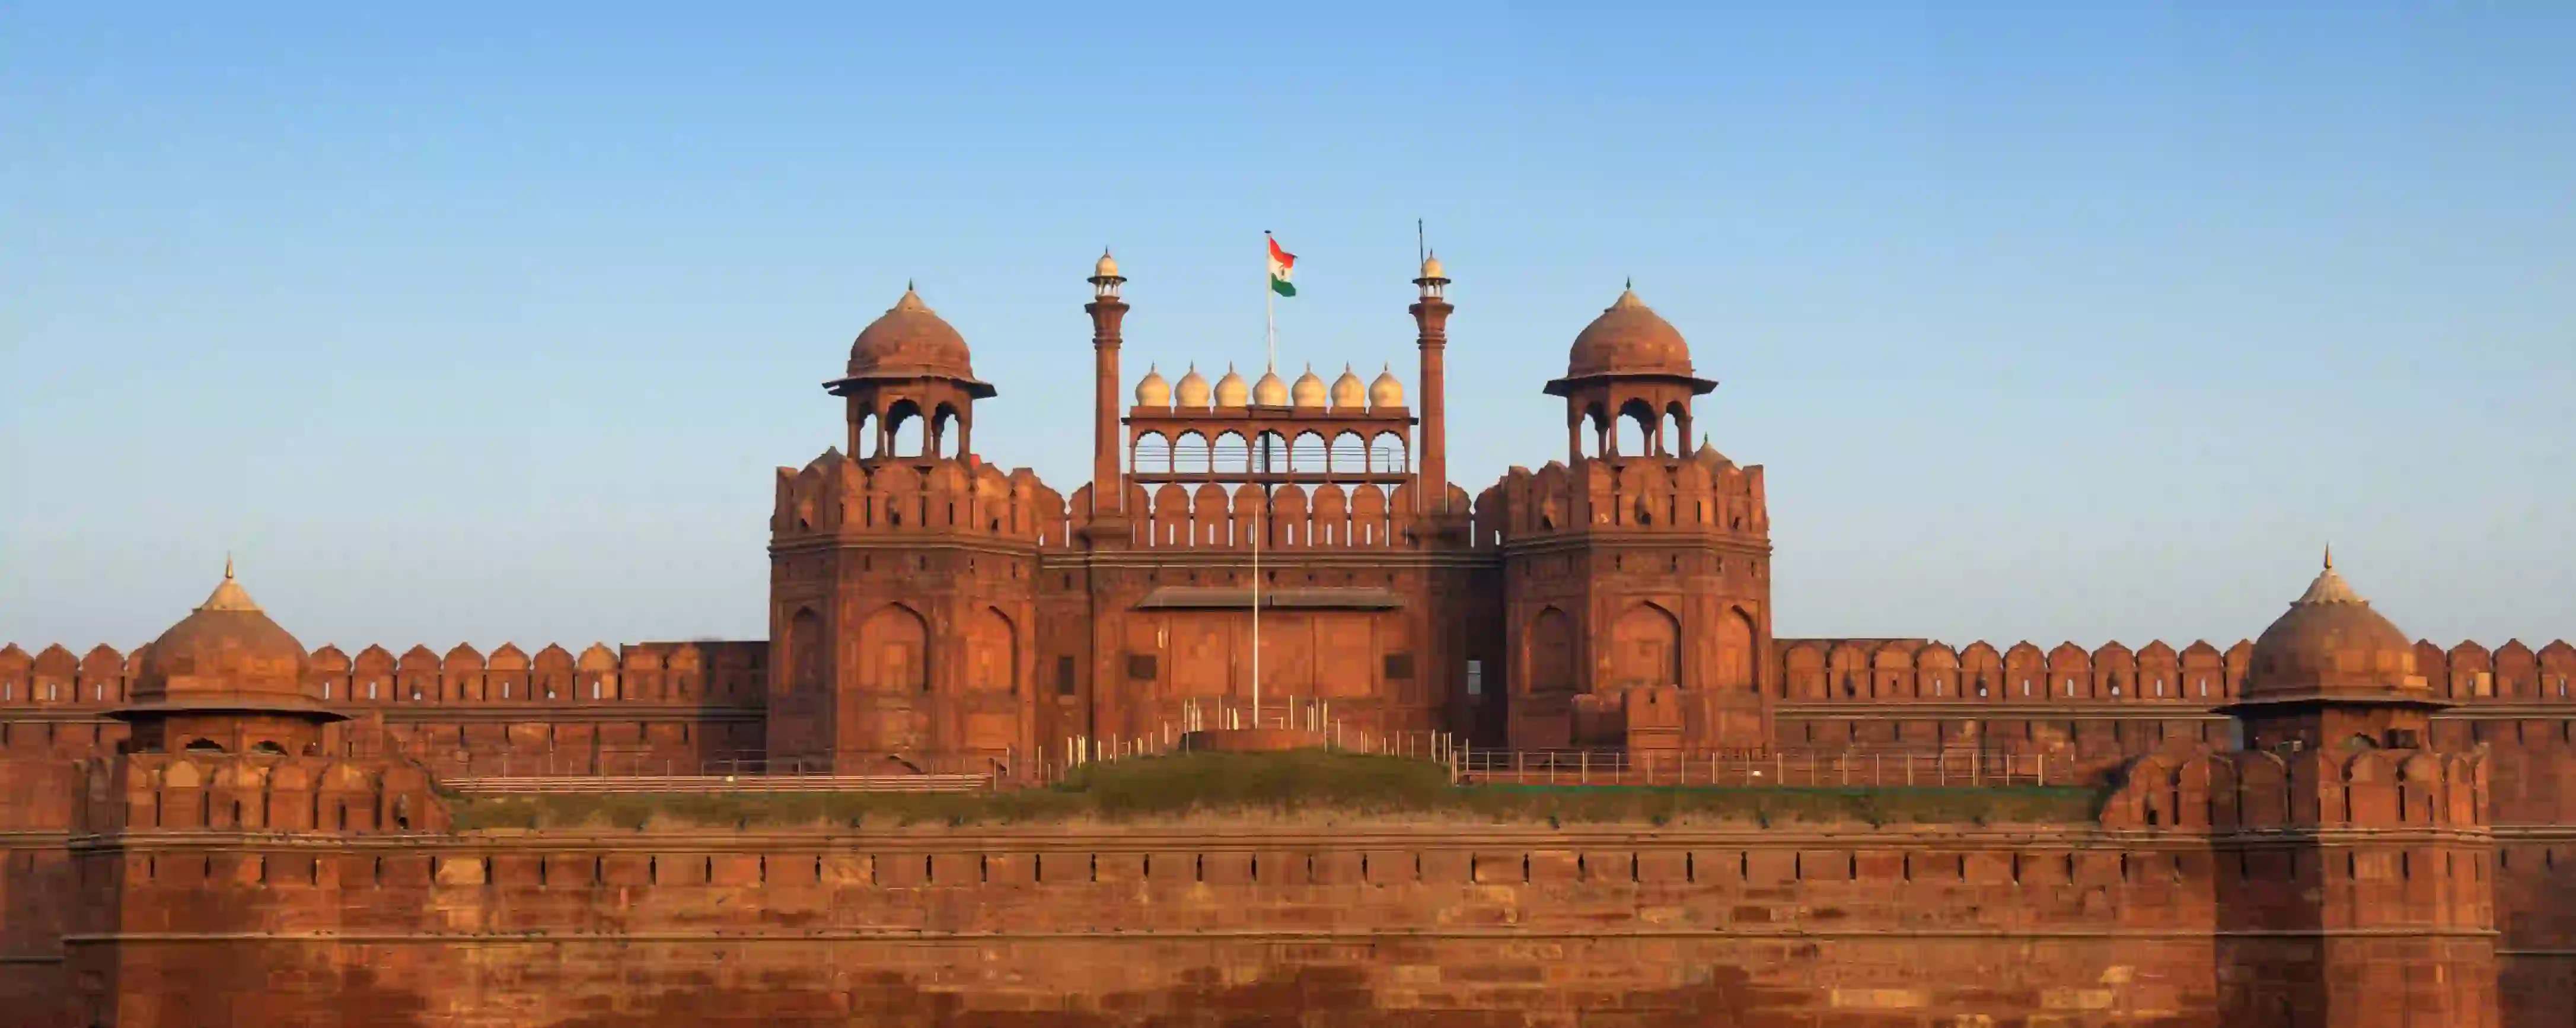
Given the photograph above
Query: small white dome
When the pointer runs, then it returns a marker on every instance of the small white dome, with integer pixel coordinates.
(1348, 393)
(1309, 390)
(1231, 393)
(1193, 390)
(1270, 391)
(1386, 392)
(1152, 391)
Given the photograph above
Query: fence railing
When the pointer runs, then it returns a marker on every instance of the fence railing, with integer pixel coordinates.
(1808, 770)
(1334, 731)
(594, 785)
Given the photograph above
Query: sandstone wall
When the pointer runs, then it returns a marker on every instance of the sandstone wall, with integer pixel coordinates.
(1180, 927)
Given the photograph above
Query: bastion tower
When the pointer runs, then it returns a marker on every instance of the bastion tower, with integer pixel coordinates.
(902, 572)
(2355, 877)
(1637, 584)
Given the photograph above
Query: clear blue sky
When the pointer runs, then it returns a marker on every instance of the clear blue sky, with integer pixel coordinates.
(486, 322)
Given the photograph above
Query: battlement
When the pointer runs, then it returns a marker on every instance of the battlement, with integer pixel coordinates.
(837, 496)
(1629, 494)
(1879, 672)
(158, 792)
(2365, 788)
(683, 672)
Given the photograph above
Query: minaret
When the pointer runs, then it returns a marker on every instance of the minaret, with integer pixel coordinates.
(1106, 311)
(1431, 316)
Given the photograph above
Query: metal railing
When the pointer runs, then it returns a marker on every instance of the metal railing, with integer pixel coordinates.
(1747, 770)
(591, 784)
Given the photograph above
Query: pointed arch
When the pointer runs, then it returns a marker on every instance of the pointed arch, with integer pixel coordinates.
(1551, 656)
(809, 653)
(1737, 641)
(992, 652)
(1646, 647)
(894, 648)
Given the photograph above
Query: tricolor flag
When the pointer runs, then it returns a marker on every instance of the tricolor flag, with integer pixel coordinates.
(1281, 264)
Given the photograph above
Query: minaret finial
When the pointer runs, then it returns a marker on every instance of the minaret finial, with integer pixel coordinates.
(1631, 283)
(2329, 556)
(228, 565)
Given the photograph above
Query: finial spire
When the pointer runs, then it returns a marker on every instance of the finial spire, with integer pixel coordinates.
(2329, 556)
(228, 594)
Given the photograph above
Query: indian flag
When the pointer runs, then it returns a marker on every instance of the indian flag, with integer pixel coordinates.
(1281, 264)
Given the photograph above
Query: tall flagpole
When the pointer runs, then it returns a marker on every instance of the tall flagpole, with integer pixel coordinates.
(1261, 453)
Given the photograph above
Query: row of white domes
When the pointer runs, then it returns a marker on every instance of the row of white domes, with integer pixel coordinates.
(1345, 394)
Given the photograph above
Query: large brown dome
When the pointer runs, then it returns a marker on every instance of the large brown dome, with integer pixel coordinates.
(2331, 642)
(225, 653)
(910, 339)
(1628, 338)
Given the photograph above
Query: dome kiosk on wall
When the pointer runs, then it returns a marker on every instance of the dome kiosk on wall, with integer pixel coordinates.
(225, 679)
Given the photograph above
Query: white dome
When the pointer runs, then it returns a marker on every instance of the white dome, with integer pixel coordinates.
(1309, 390)
(1270, 391)
(1386, 392)
(1193, 390)
(1152, 391)
(1348, 393)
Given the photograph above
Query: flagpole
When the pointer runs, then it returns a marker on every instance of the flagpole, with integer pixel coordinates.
(1261, 447)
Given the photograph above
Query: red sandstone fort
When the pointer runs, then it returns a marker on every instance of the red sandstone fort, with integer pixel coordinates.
(2331, 825)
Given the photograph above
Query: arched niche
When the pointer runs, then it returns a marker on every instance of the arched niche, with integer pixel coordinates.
(894, 646)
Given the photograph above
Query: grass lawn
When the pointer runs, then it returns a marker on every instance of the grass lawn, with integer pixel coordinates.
(1298, 784)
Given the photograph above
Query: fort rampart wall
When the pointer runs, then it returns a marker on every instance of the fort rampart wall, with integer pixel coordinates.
(1195, 925)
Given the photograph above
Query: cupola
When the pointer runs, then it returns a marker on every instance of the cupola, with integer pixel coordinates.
(1349, 393)
(1193, 391)
(1386, 393)
(1152, 391)
(1231, 393)
(1270, 391)
(1309, 391)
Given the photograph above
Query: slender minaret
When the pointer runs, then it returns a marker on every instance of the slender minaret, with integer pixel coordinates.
(1431, 316)
(1106, 312)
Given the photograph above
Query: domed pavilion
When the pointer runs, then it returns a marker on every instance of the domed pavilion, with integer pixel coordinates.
(225, 679)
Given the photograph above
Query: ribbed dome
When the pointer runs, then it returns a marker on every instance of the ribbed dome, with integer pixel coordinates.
(1193, 391)
(1152, 391)
(1708, 455)
(910, 339)
(1386, 392)
(1628, 338)
(2330, 641)
(1309, 390)
(226, 648)
(1270, 391)
(1431, 268)
(1349, 393)
(1231, 393)
(1107, 267)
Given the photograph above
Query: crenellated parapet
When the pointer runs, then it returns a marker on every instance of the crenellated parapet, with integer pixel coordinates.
(2354, 788)
(1704, 495)
(900, 500)
(174, 792)
(1899, 671)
